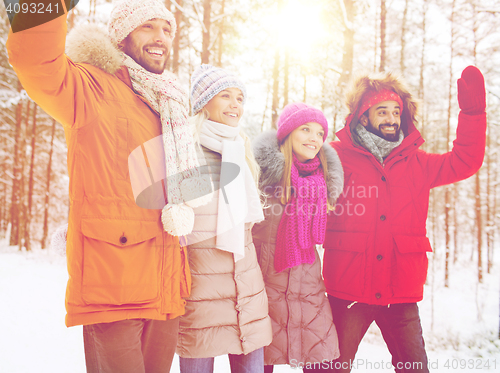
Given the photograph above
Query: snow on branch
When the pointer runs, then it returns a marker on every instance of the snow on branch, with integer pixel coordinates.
(195, 7)
(347, 23)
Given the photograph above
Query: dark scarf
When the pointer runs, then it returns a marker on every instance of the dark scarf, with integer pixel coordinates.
(379, 147)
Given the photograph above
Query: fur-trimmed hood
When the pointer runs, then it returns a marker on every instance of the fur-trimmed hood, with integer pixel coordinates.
(90, 43)
(272, 163)
(380, 81)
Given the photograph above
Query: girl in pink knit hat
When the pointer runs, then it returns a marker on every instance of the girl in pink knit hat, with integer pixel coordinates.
(301, 178)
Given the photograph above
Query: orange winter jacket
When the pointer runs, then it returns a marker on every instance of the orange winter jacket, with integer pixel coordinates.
(121, 263)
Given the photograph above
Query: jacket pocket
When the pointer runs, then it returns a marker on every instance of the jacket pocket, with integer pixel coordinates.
(410, 269)
(345, 262)
(120, 261)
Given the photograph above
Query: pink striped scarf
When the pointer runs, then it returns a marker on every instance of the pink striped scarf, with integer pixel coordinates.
(303, 223)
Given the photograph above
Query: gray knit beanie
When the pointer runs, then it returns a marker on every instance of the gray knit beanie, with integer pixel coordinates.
(127, 15)
(207, 81)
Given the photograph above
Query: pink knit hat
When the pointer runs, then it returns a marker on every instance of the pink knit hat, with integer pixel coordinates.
(295, 115)
(127, 15)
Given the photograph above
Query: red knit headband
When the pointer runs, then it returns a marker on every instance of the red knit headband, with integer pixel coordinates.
(374, 97)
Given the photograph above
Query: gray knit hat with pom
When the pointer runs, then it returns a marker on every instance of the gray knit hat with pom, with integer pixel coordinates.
(207, 81)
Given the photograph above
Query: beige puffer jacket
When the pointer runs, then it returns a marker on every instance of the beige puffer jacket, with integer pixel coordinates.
(227, 312)
(303, 329)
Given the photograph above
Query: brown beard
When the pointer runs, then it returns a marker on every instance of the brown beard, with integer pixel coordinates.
(392, 137)
(135, 52)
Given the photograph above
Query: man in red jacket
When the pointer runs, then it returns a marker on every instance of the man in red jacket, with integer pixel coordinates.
(375, 262)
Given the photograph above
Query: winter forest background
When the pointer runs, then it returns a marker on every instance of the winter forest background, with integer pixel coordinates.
(300, 50)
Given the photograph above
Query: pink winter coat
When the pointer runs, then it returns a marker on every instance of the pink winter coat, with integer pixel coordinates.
(303, 329)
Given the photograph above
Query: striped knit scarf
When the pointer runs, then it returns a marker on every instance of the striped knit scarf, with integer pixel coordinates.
(184, 184)
(303, 223)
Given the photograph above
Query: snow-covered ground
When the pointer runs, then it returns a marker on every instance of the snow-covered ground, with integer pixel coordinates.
(460, 322)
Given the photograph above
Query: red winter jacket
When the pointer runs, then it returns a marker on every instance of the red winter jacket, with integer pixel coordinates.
(376, 243)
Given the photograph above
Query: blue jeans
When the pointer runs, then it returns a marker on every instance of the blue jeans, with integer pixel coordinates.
(250, 363)
(400, 327)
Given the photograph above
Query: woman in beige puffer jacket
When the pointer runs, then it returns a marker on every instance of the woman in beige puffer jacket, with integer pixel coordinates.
(303, 329)
(227, 312)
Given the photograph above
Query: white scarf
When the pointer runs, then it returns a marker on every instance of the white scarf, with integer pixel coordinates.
(239, 201)
(183, 180)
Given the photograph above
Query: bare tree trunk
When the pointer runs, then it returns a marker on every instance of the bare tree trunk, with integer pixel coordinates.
(403, 39)
(456, 248)
(22, 194)
(177, 40)
(221, 34)
(276, 87)
(27, 221)
(3, 198)
(479, 229)
(285, 78)
(16, 176)
(92, 9)
(421, 90)
(348, 49)
(494, 213)
(268, 90)
(71, 20)
(348, 52)
(495, 200)
(447, 236)
(347, 7)
(489, 220)
(383, 15)
(433, 286)
(305, 86)
(447, 200)
(168, 66)
(478, 180)
(434, 220)
(47, 188)
(375, 39)
(276, 82)
(207, 22)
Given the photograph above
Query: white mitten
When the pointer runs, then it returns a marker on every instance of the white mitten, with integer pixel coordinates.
(178, 220)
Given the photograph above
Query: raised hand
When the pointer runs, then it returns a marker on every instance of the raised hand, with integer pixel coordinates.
(471, 92)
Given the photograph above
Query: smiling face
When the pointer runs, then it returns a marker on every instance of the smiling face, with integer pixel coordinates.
(149, 45)
(307, 141)
(226, 107)
(383, 120)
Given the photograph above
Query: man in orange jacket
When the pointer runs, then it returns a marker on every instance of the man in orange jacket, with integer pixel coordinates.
(127, 276)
